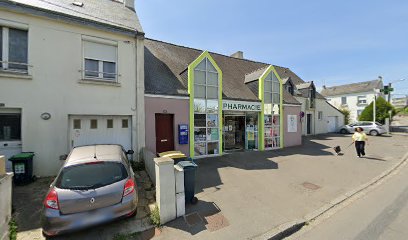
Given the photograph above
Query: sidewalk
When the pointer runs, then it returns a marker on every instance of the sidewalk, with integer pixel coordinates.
(244, 195)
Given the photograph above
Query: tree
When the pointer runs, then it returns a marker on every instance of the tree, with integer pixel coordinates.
(382, 111)
(346, 114)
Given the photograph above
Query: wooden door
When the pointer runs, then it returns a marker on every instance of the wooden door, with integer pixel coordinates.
(164, 132)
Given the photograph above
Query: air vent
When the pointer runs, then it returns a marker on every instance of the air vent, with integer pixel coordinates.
(78, 4)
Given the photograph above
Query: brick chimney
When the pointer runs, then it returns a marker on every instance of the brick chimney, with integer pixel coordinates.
(238, 54)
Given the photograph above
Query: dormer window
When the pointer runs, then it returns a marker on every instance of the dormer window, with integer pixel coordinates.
(290, 88)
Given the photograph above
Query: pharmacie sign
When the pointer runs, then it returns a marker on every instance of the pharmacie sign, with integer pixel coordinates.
(241, 106)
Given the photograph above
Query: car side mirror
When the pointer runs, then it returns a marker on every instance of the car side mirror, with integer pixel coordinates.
(129, 152)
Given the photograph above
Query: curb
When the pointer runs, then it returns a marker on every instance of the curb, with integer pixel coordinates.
(289, 228)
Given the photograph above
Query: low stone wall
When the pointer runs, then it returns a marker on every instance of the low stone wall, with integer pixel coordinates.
(148, 158)
(5, 204)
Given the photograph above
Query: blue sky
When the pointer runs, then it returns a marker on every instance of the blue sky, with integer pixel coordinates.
(331, 42)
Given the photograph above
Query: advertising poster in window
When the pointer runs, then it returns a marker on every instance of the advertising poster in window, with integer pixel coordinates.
(292, 123)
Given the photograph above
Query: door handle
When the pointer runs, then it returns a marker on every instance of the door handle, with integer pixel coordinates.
(163, 140)
(6, 144)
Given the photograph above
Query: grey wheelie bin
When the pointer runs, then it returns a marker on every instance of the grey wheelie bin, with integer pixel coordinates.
(190, 169)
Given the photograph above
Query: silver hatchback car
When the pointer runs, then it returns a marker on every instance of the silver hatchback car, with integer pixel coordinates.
(95, 185)
(372, 128)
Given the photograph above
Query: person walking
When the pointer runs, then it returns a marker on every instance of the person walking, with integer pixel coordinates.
(360, 139)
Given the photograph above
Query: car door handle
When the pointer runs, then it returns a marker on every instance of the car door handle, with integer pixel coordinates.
(6, 144)
(163, 140)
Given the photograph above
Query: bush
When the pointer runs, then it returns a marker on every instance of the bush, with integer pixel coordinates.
(346, 114)
(13, 229)
(382, 111)
(155, 216)
(137, 166)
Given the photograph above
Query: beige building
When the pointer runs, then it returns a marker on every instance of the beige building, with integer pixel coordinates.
(317, 116)
(71, 73)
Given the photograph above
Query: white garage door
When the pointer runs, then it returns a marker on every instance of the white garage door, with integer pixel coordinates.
(86, 130)
(332, 124)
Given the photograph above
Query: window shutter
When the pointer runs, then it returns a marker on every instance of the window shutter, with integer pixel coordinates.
(100, 51)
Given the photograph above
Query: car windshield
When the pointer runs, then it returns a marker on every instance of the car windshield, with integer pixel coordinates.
(378, 124)
(91, 175)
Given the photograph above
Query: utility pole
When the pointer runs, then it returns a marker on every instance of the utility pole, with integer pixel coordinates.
(389, 92)
(374, 104)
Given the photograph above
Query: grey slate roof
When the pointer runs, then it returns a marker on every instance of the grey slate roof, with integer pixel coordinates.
(304, 85)
(166, 72)
(255, 75)
(111, 14)
(367, 86)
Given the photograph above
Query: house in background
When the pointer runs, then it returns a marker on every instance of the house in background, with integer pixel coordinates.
(317, 115)
(71, 74)
(400, 102)
(354, 97)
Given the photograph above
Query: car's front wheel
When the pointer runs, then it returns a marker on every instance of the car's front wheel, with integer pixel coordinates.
(343, 131)
(374, 133)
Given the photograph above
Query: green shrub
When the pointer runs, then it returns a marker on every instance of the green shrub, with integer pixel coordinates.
(382, 111)
(137, 166)
(155, 216)
(13, 229)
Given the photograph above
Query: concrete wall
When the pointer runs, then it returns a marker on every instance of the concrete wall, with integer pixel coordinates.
(319, 126)
(5, 204)
(54, 85)
(352, 103)
(178, 107)
(292, 138)
(148, 158)
(328, 111)
(304, 119)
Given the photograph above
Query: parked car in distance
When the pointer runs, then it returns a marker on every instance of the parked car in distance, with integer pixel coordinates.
(95, 185)
(372, 128)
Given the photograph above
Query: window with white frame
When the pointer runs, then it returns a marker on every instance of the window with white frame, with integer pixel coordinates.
(100, 61)
(13, 49)
(343, 100)
(359, 112)
(361, 100)
(319, 115)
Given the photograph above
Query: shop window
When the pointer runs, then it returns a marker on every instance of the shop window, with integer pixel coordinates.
(109, 123)
(10, 127)
(206, 106)
(125, 123)
(77, 123)
(94, 123)
(271, 111)
(199, 120)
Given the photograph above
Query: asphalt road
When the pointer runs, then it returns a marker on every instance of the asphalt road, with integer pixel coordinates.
(381, 214)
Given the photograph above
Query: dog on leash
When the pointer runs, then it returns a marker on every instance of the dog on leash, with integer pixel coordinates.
(337, 149)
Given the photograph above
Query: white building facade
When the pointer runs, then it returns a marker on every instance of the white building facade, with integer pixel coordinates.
(354, 102)
(67, 81)
(354, 97)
